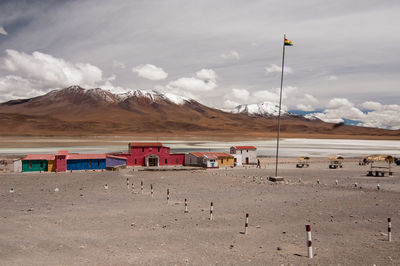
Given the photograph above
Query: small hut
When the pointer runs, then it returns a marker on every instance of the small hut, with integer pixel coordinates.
(336, 161)
(380, 164)
(303, 161)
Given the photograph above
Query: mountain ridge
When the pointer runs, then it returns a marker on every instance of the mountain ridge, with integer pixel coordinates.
(77, 111)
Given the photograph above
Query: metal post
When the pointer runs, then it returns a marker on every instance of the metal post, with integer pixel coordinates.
(279, 113)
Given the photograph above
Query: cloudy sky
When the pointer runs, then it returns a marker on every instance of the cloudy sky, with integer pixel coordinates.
(344, 64)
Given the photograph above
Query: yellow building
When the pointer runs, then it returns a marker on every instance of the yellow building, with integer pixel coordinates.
(224, 159)
(51, 166)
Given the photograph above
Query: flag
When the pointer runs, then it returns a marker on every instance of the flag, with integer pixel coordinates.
(288, 42)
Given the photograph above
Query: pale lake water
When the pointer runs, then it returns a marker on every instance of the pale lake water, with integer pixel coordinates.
(288, 147)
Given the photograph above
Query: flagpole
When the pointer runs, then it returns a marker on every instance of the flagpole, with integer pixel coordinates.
(279, 114)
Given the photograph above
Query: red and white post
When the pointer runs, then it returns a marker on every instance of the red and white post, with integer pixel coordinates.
(211, 211)
(167, 195)
(186, 206)
(151, 189)
(133, 188)
(246, 224)
(127, 182)
(309, 241)
(141, 187)
(389, 229)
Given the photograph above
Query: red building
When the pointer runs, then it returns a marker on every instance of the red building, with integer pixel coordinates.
(151, 154)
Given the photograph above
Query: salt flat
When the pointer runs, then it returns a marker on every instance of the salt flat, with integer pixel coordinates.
(288, 147)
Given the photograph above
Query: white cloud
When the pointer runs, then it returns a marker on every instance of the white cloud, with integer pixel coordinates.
(207, 75)
(381, 116)
(192, 87)
(332, 77)
(118, 64)
(3, 31)
(192, 84)
(230, 55)
(241, 94)
(304, 107)
(265, 95)
(230, 104)
(277, 69)
(337, 103)
(369, 105)
(39, 73)
(150, 72)
(51, 71)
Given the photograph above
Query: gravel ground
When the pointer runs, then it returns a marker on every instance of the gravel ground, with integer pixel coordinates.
(83, 224)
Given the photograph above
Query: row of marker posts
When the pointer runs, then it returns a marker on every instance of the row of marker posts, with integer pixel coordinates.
(246, 225)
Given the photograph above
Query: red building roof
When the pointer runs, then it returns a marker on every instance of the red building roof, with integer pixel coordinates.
(217, 154)
(145, 144)
(48, 157)
(76, 156)
(245, 147)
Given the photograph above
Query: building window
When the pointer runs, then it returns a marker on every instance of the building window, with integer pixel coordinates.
(30, 164)
(247, 150)
(235, 160)
(241, 151)
(142, 149)
(166, 161)
(176, 160)
(90, 163)
(135, 161)
(41, 164)
(222, 160)
(98, 163)
(158, 149)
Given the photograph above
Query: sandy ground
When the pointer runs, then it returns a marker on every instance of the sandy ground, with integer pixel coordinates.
(83, 224)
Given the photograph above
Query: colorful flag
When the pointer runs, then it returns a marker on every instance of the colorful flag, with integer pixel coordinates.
(288, 42)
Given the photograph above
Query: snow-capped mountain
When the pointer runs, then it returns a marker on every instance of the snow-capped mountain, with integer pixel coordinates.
(79, 111)
(259, 109)
(153, 96)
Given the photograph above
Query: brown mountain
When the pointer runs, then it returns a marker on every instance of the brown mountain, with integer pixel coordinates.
(76, 111)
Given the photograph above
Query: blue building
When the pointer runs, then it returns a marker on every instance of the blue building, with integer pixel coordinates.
(86, 162)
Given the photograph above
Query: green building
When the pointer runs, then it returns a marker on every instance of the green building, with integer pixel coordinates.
(36, 162)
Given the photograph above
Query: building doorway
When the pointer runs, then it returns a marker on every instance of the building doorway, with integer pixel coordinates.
(247, 160)
(153, 161)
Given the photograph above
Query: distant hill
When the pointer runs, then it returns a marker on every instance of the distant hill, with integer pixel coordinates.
(78, 111)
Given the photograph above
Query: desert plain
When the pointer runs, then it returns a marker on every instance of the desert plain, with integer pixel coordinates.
(84, 224)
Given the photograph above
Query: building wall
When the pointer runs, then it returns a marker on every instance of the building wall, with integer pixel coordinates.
(190, 159)
(17, 166)
(137, 156)
(251, 154)
(34, 165)
(226, 161)
(238, 158)
(137, 151)
(210, 163)
(86, 164)
(112, 162)
(61, 163)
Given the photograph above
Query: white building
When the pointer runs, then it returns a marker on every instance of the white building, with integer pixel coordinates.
(238, 159)
(248, 153)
